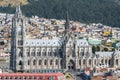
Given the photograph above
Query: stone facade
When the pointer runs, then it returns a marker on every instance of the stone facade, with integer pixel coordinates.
(34, 55)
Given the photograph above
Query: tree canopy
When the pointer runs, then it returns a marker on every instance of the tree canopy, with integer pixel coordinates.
(86, 11)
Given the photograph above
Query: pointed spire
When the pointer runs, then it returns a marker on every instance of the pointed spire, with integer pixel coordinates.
(67, 21)
(18, 12)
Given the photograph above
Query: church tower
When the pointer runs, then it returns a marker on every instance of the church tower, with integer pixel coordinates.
(17, 44)
(66, 38)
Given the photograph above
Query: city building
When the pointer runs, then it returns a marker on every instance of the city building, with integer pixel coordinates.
(56, 54)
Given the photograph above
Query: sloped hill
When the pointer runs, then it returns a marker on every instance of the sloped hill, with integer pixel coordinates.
(87, 11)
(13, 2)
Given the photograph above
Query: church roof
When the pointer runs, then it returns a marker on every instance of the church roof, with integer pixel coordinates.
(43, 42)
(104, 54)
(108, 54)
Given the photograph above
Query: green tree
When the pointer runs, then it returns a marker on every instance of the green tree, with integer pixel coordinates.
(87, 11)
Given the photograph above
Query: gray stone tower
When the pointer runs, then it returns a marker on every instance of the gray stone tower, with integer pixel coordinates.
(66, 38)
(18, 38)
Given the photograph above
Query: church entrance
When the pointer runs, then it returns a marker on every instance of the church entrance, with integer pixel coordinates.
(71, 65)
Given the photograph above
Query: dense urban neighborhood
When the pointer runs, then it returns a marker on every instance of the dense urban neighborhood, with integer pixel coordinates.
(69, 50)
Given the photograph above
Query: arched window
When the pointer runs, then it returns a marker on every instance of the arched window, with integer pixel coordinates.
(34, 62)
(106, 61)
(84, 61)
(56, 62)
(116, 61)
(79, 62)
(51, 62)
(40, 62)
(20, 63)
(89, 61)
(102, 61)
(95, 62)
(82, 53)
(109, 62)
(20, 54)
(50, 53)
(20, 42)
(28, 62)
(61, 62)
(45, 62)
(55, 53)
(28, 54)
(39, 53)
(33, 53)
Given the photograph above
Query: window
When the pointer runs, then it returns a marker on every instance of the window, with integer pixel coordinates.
(95, 62)
(55, 53)
(79, 62)
(43, 49)
(102, 61)
(106, 61)
(116, 61)
(20, 64)
(38, 53)
(56, 62)
(38, 50)
(27, 49)
(51, 62)
(20, 42)
(28, 62)
(84, 62)
(34, 62)
(33, 53)
(20, 54)
(49, 53)
(28, 54)
(40, 62)
(82, 53)
(45, 62)
(89, 61)
(19, 32)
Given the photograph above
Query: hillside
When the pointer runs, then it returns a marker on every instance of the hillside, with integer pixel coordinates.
(88, 11)
(13, 2)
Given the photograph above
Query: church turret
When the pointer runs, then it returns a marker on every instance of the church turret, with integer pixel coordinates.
(18, 38)
(18, 12)
(67, 28)
(67, 21)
